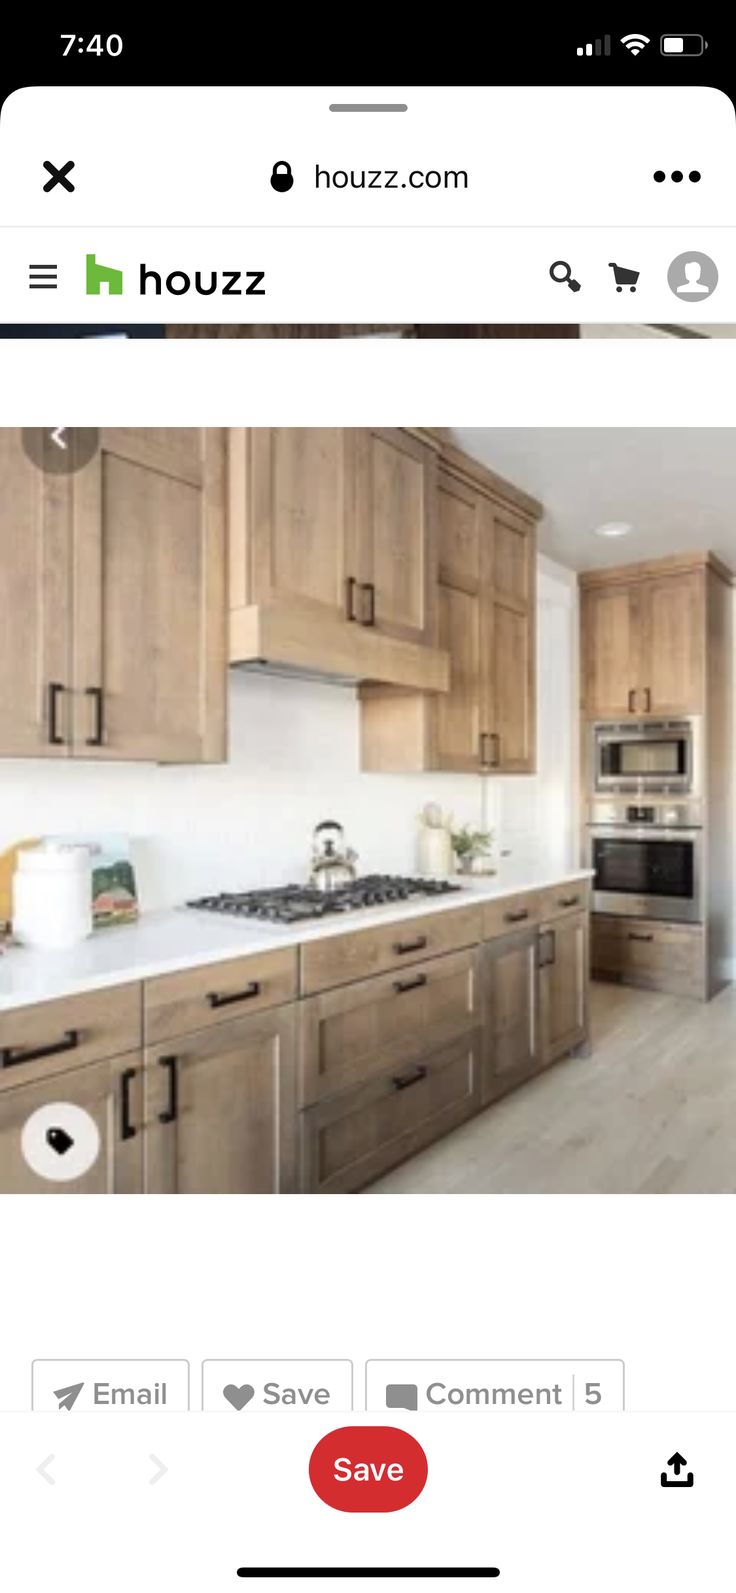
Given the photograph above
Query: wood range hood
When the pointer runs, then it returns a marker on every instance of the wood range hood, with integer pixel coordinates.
(282, 639)
(333, 556)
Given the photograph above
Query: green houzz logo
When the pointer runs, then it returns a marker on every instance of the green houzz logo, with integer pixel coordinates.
(99, 276)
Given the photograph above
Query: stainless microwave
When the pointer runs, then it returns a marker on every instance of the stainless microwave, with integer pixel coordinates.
(647, 755)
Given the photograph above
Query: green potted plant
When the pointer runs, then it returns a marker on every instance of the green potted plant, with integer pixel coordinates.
(472, 850)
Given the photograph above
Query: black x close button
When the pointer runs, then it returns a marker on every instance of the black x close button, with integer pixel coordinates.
(58, 175)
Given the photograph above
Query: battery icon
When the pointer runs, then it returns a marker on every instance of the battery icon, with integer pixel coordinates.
(682, 44)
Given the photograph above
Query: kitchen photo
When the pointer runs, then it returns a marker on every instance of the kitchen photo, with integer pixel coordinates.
(366, 811)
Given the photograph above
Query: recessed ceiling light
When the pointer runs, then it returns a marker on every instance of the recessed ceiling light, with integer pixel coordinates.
(613, 528)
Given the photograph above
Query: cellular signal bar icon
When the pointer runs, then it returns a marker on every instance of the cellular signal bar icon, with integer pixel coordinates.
(598, 47)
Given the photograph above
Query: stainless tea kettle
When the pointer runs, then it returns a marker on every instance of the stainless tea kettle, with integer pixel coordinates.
(333, 863)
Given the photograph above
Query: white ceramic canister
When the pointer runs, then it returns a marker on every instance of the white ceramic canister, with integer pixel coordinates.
(52, 895)
(434, 852)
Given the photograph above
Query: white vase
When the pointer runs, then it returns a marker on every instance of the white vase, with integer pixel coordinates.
(434, 852)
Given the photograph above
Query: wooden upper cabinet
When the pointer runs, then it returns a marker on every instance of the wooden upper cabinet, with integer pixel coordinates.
(35, 617)
(486, 598)
(610, 651)
(149, 663)
(643, 640)
(293, 512)
(509, 712)
(673, 644)
(461, 518)
(113, 641)
(395, 525)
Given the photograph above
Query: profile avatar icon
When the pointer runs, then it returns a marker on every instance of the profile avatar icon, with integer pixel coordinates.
(692, 276)
(692, 283)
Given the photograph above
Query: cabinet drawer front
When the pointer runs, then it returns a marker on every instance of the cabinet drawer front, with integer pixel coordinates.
(54, 1036)
(354, 1137)
(352, 1034)
(200, 997)
(512, 913)
(665, 957)
(341, 959)
(561, 901)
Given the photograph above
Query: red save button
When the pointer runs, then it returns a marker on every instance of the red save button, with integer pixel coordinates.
(368, 1468)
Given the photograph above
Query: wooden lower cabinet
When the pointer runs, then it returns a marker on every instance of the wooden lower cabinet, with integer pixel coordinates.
(351, 1138)
(512, 1050)
(650, 954)
(357, 1032)
(221, 1109)
(111, 1093)
(563, 986)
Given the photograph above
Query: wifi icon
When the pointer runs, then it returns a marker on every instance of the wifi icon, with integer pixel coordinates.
(634, 42)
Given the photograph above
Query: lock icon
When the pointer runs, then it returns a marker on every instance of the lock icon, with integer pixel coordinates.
(281, 177)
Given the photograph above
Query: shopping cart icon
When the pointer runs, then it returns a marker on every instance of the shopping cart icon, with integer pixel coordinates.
(624, 278)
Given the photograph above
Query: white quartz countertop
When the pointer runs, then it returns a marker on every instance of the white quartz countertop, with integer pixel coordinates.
(169, 942)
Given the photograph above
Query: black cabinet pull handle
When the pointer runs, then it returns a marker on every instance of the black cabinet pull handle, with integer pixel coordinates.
(405, 1080)
(56, 690)
(127, 1129)
(517, 916)
(547, 948)
(485, 756)
(632, 701)
(648, 693)
(496, 744)
(251, 990)
(646, 938)
(568, 901)
(12, 1057)
(370, 591)
(350, 590)
(402, 948)
(98, 697)
(401, 986)
(171, 1112)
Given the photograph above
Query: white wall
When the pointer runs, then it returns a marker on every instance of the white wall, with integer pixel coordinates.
(294, 761)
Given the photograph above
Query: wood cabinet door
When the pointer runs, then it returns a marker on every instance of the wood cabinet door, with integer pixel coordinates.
(563, 985)
(292, 533)
(111, 1093)
(462, 522)
(508, 643)
(150, 644)
(35, 604)
(396, 534)
(511, 1040)
(672, 668)
(610, 651)
(221, 1109)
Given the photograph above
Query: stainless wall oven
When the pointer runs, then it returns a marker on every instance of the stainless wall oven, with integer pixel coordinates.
(647, 755)
(647, 860)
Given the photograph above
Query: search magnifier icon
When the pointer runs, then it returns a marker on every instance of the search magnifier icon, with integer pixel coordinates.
(560, 271)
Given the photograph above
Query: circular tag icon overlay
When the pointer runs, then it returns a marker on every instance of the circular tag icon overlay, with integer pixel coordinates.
(60, 1142)
(368, 1469)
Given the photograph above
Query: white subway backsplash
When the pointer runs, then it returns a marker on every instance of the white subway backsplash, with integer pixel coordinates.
(294, 759)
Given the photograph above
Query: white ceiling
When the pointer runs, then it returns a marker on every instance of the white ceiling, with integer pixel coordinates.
(676, 487)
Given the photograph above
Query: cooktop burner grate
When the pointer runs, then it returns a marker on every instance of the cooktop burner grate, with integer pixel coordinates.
(288, 904)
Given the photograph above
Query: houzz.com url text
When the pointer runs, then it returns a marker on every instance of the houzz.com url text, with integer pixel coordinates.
(389, 179)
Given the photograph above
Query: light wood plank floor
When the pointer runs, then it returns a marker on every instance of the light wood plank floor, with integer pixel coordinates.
(652, 1111)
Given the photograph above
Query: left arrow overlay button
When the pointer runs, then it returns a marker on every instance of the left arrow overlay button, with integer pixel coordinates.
(43, 1470)
(68, 1397)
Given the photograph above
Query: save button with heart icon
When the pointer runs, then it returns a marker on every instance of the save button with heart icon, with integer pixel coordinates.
(264, 1385)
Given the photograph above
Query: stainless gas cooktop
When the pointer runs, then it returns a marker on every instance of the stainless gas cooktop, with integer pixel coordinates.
(288, 904)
